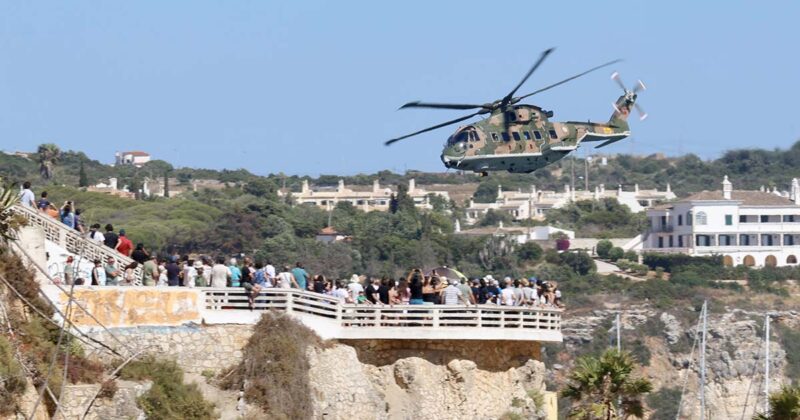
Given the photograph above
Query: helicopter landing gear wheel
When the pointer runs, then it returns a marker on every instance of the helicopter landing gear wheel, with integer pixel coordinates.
(484, 174)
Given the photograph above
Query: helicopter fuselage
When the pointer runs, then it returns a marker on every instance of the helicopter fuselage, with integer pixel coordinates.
(520, 138)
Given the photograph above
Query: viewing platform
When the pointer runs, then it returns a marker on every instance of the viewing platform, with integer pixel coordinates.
(121, 307)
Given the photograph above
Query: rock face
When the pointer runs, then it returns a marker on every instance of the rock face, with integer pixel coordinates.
(734, 354)
(421, 386)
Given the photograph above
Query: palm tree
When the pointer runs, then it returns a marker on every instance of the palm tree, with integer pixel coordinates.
(597, 384)
(784, 404)
(48, 157)
(10, 222)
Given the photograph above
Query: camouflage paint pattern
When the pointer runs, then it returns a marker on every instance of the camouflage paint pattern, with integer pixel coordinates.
(520, 138)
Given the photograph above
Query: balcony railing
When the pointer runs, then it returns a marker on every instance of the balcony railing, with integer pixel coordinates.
(72, 240)
(398, 321)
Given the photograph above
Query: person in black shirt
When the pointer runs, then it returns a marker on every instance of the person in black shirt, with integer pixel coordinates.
(372, 291)
(319, 283)
(173, 272)
(415, 287)
(383, 290)
(111, 237)
(140, 254)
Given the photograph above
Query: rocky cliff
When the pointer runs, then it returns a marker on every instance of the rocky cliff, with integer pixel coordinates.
(664, 339)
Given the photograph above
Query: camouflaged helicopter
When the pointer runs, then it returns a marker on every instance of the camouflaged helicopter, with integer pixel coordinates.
(518, 137)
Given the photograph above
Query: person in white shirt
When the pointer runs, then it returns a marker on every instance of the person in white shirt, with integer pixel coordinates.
(269, 269)
(95, 235)
(286, 279)
(452, 294)
(341, 292)
(220, 274)
(355, 287)
(27, 198)
(507, 294)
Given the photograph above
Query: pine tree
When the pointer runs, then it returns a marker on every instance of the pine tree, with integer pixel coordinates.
(83, 180)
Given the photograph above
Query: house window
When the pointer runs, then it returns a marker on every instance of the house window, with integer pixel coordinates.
(537, 135)
(494, 137)
(527, 135)
(680, 241)
(726, 240)
(661, 242)
(701, 218)
(553, 134)
(744, 240)
(788, 218)
(506, 137)
(680, 220)
(764, 218)
(728, 220)
(766, 240)
(515, 135)
(702, 240)
(689, 218)
(663, 221)
(788, 240)
(742, 219)
(670, 241)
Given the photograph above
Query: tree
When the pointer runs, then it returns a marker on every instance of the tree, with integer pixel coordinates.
(10, 222)
(530, 252)
(261, 187)
(166, 184)
(494, 218)
(597, 384)
(47, 156)
(83, 180)
(615, 253)
(603, 247)
(784, 404)
(580, 262)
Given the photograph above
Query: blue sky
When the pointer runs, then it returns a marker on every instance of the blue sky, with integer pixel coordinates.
(309, 87)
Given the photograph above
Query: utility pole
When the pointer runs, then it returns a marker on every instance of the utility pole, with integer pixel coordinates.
(766, 365)
(703, 362)
(619, 334)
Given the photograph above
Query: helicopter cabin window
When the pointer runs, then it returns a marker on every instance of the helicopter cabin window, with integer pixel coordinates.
(494, 137)
(553, 134)
(527, 135)
(506, 137)
(537, 134)
(515, 135)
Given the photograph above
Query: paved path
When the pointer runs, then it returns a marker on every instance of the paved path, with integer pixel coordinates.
(605, 268)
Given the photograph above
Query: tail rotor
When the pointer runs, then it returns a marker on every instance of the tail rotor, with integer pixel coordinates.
(630, 95)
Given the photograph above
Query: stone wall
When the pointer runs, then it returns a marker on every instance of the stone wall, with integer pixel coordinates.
(194, 347)
(121, 406)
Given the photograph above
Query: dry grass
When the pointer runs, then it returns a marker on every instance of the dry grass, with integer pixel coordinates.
(274, 369)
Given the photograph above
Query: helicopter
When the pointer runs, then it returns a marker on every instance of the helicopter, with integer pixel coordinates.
(520, 138)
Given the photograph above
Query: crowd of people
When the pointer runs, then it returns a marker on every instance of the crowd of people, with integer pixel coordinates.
(175, 270)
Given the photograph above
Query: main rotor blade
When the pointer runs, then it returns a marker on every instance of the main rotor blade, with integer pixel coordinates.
(567, 80)
(539, 62)
(418, 104)
(640, 110)
(388, 142)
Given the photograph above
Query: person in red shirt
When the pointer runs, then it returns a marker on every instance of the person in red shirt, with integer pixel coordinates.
(124, 245)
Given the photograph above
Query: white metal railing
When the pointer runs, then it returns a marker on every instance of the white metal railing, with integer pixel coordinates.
(350, 315)
(72, 240)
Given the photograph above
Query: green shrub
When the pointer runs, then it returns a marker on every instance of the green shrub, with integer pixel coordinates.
(13, 379)
(615, 253)
(603, 247)
(169, 398)
(274, 369)
(631, 255)
(790, 339)
(664, 403)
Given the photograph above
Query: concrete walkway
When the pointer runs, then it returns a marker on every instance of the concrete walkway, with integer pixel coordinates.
(605, 267)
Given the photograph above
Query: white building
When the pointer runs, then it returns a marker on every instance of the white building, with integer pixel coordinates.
(753, 228)
(135, 158)
(536, 203)
(518, 234)
(367, 199)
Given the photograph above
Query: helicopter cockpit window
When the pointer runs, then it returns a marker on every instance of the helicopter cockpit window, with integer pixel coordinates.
(553, 134)
(527, 135)
(515, 135)
(511, 116)
(494, 137)
(537, 134)
(506, 137)
(473, 136)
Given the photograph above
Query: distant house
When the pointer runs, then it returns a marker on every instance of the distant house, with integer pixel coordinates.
(751, 228)
(135, 158)
(376, 198)
(329, 235)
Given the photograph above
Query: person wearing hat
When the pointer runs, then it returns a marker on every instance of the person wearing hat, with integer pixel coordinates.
(124, 245)
(451, 294)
